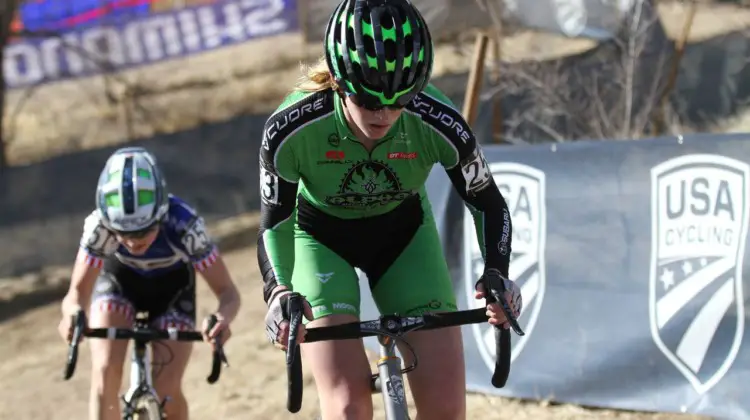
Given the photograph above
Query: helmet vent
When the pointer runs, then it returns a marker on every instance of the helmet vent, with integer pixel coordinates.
(128, 190)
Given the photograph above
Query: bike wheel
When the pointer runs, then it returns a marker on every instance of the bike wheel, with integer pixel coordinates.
(147, 408)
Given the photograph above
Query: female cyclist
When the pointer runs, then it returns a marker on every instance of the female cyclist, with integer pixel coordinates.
(139, 252)
(344, 161)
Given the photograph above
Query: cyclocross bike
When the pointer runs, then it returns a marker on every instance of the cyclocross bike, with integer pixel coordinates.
(141, 401)
(389, 329)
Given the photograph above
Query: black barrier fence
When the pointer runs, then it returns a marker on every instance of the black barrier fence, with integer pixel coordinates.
(631, 259)
(214, 167)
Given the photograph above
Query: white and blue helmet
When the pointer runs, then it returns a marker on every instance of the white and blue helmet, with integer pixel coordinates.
(132, 193)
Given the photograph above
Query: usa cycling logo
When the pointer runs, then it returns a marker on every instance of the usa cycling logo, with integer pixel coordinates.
(699, 222)
(524, 190)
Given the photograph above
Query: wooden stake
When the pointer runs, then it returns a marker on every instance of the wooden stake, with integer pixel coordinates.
(659, 119)
(474, 84)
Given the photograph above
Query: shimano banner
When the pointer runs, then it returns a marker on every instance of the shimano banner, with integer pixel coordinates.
(631, 258)
(86, 37)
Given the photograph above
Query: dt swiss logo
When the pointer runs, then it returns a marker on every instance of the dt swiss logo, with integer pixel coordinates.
(699, 223)
(402, 155)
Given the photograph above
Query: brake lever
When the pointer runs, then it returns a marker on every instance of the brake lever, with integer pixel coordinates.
(218, 347)
(293, 360)
(500, 299)
(78, 324)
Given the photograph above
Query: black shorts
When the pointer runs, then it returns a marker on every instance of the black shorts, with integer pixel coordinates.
(169, 298)
(379, 242)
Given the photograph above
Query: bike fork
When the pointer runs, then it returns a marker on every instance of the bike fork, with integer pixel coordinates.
(389, 370)
(141, 381)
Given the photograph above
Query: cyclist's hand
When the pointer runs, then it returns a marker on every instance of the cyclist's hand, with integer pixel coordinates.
(277, 319)
(494, 279)
(220, 330)
(65, 327)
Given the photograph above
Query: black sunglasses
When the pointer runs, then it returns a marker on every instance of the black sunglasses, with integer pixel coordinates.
(138, 234)
(371, 103)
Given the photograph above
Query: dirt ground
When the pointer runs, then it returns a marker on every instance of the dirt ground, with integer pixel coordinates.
(253, 387)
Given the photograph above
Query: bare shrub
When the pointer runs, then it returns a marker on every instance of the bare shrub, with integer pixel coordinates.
(612, 91)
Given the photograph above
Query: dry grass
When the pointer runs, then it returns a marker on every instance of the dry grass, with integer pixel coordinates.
(248, 78)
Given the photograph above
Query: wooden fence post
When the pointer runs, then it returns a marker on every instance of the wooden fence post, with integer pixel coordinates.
(476, 74)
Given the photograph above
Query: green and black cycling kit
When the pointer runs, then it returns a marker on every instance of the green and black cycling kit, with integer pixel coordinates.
(330, 205)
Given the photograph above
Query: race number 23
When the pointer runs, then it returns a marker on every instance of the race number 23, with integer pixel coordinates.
(476, 172)
(269, 186)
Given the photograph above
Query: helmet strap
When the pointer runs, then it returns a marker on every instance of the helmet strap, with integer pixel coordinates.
(340, 92)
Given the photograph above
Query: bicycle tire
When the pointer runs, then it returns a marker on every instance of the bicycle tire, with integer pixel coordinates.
(147, 408)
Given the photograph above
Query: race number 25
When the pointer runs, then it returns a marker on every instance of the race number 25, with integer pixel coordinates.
(196, 240)
(269, 186)
(476, 172)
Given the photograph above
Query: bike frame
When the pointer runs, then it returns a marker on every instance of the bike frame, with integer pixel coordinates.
(141, 381)
(141, 377)
(388, 329)
(389, 373)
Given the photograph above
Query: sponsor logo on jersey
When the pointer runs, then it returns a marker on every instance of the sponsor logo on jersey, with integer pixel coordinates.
(424, 308)
(316, 310)
(341, 306)
(443, 115)
(324, 277)
(288, 119)
(402, 155)
(699, 222)
(334, 140)
(524, 190)
(368, 183)
(401, 138)
(335, 154)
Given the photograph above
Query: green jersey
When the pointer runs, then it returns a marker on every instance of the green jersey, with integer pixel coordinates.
(309, 153)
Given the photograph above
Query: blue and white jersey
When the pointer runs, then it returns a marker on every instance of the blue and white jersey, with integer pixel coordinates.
(182, 240)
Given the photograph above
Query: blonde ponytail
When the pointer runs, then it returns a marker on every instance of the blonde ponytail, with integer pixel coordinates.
(316, 77)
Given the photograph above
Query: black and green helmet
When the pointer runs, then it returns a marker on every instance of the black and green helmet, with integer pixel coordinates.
(379, 51)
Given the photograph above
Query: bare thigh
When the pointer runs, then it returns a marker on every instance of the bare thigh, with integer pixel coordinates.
(341, 371)
(170, 358)
(169, 363)
(108, 356)
(438, 384)
(419, 282)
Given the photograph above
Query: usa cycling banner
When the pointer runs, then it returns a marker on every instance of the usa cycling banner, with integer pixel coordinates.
(632, 259)
(74, 38)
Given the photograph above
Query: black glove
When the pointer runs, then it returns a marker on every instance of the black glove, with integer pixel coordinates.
(493, 281)
(277, 317)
